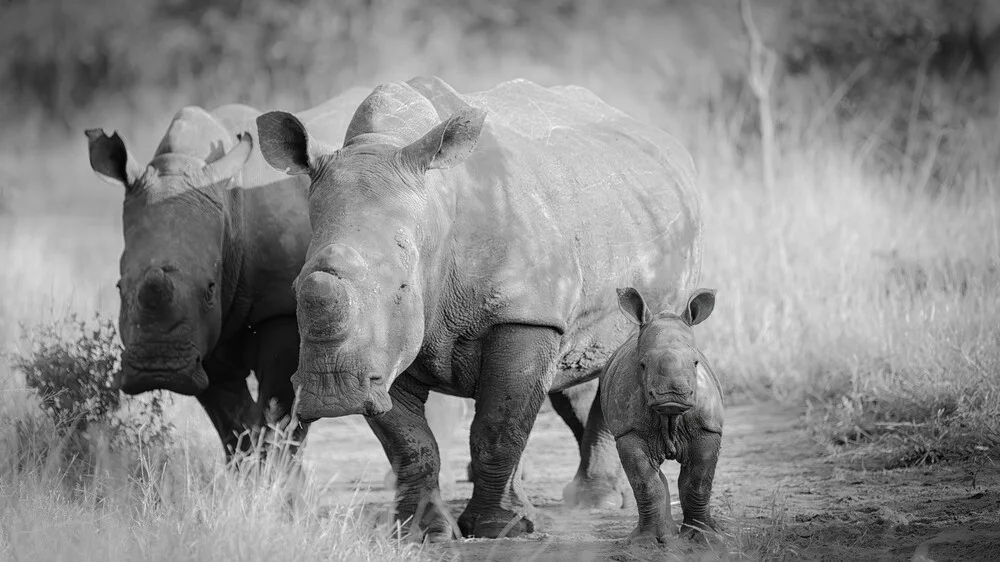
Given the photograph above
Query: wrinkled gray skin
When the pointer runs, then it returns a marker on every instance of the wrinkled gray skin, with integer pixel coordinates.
(662, 401)
(468, 244)
(213, 239)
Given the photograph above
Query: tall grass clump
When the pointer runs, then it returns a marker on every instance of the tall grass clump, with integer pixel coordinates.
(185, 509)
(88, 473)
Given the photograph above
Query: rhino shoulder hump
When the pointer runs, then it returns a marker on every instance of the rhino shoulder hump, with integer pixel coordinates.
(394, 110)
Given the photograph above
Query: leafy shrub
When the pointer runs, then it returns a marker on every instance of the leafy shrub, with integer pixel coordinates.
(72, 367)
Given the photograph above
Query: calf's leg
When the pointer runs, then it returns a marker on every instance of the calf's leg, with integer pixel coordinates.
(694, 483)
(652, 496)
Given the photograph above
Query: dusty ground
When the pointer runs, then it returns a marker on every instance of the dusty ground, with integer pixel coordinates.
(776, 491)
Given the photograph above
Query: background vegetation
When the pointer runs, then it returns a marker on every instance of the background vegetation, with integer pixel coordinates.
(861, 284)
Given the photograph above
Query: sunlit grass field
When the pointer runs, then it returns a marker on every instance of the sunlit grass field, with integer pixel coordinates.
(856, 293)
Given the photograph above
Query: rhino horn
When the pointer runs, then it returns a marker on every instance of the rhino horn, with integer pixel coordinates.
(325, 306)
(156, 291)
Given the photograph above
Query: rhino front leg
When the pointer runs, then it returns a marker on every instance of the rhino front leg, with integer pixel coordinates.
(694, 484)
(413, 453)
(233, 413)
(652, 496)
(517, 367)
(599, 481)
(277, 358)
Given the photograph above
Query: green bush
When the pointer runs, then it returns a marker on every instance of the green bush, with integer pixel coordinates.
(72, 367)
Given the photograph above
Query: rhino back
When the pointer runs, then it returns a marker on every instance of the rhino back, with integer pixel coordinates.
(566, 199)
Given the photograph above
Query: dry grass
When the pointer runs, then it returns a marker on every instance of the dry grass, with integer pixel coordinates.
(873, 301)
(186, 507)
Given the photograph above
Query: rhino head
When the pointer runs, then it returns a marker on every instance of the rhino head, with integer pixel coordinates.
(667, 356)
(360, 294)
(173, 224)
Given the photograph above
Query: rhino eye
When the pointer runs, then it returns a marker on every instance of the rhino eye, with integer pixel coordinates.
(696, 363)
(642, 365)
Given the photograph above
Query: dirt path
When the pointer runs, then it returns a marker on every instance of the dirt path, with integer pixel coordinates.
(775, 493)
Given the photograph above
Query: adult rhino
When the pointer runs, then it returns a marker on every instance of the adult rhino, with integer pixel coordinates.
(213, 239)
(472, 245)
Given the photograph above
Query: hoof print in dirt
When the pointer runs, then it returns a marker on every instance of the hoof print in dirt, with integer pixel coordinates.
(662, 401)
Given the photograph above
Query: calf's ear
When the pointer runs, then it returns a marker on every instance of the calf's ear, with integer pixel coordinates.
(634, 306)
(285, 143)
(448, 144)
(110, 160)
(700, 305)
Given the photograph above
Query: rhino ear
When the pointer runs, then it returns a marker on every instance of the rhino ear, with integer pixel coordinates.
(110, 160)
(448, 144)
(634, 306)
(699, 306)
(285, 143)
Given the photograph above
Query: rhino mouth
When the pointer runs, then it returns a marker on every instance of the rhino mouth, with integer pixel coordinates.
(670, 408)
(322, 399)
(172, 368)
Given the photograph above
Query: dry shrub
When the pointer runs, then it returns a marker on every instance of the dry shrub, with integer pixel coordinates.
(70, 368)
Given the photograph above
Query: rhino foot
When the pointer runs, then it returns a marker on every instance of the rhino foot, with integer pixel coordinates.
(698, 532)
(584, 493)
(648, 536)
(438, 530)
(435, 526)
(495, 523)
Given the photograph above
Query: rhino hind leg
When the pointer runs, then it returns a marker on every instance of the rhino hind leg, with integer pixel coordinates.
(652, 495)
(599, 481)
(517, 368)
(413, 453)
(573, 406)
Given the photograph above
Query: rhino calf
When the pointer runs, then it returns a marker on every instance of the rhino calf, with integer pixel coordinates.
(662, 401)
